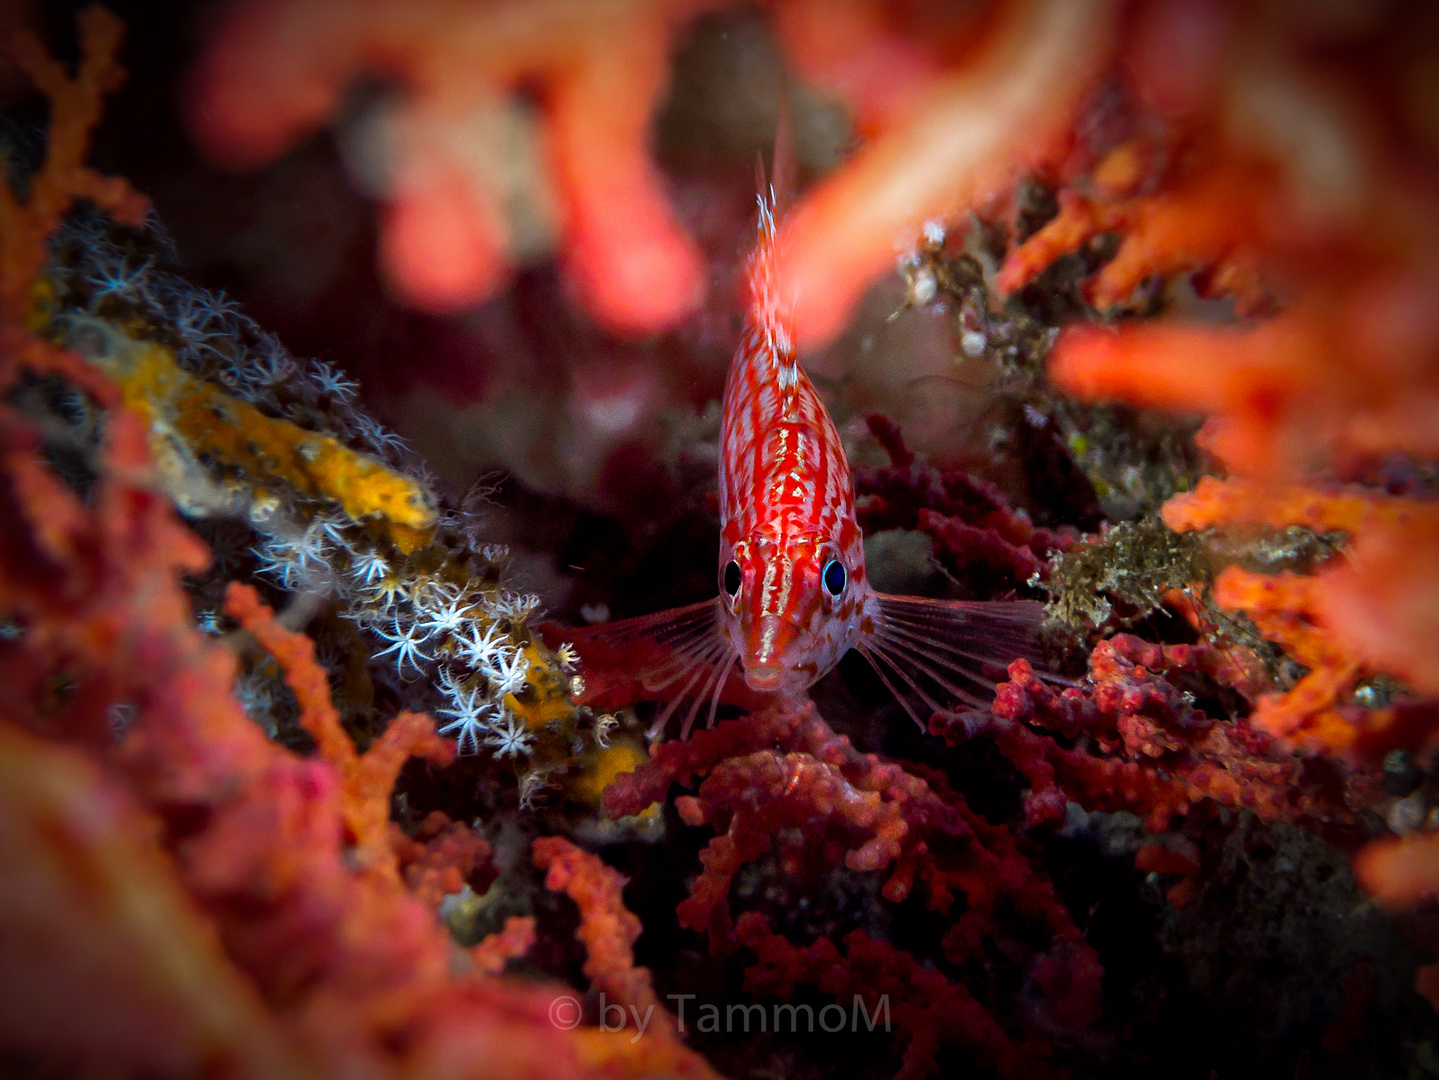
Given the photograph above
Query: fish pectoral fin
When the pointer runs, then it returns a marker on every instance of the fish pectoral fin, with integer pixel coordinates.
(647, 642)
(947, 652)
(675, 655)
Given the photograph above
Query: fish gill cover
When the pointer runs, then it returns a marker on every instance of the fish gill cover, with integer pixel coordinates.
(1128, 308)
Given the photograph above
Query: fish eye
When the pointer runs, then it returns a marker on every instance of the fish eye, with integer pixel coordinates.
(834, 577)
(732, 578)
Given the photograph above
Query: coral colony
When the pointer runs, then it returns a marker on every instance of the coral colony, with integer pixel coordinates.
(296, 778)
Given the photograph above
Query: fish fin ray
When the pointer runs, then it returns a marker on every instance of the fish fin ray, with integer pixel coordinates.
(947, 644)
(679, 655)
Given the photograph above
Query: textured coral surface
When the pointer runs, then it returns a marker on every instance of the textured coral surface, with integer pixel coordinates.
(356, 356)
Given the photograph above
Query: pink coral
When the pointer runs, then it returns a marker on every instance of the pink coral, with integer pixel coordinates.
(955, 109)
(277, 69)
(1289, 173)
(970, 521)
(607, 927)
(441, 857)
(1141, 746)
(782, 776)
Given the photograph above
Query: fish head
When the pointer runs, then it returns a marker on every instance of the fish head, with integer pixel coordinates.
(792, 607)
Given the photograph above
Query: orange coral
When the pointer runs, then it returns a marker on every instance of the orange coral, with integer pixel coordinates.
(464, 199)
(63, 176)
(1202, 224)
(947, 131)
(1306, 181)
(142, 978)
(512, 941)
(1400, 871)
(607, 927)
(1283, 607)
(1286, 171)
(1286, 392)
(1372, 610)
(366, 779)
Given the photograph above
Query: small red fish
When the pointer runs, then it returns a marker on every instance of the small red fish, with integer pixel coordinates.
(793, 594)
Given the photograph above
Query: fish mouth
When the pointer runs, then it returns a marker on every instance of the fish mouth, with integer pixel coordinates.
(765, 678)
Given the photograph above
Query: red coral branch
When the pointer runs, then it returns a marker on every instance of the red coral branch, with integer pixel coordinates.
(441, 857)
(509, 943)
(753, 798)
(607, 928)
(783, 774)
(366, 779)
(968, 518)
(1143, 747)
(75, 107)
(928, 1008)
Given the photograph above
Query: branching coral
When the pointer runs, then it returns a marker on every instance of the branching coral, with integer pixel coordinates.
(292, 944)
(1374, 610)
(782, 776)
(607, 928)
(945, 135)
(1196, 229)
(1276, 180)
(970, 521)
(365, 779)
(356, 963)
(1142, 746)
(462, 164)
(441, 857)
(63, 177)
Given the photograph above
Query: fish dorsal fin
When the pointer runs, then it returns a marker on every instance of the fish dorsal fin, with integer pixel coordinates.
(784, 163)
(772, 309)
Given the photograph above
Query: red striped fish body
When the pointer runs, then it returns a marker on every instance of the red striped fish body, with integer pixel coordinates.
(792, 581)
(793, 595)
